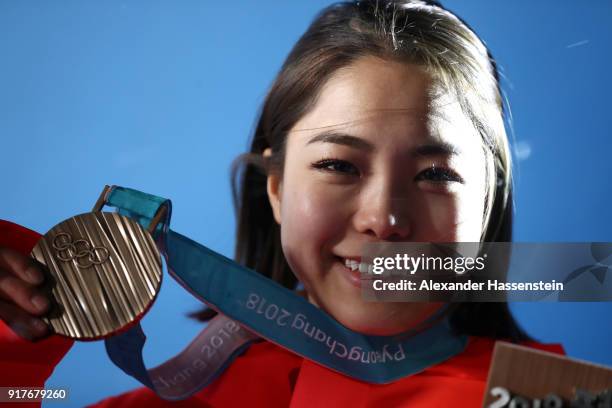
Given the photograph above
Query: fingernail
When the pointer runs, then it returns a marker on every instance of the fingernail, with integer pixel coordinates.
(40, 302)
(33, 276)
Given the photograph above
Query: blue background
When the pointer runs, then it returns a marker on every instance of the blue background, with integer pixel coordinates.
(161, 96)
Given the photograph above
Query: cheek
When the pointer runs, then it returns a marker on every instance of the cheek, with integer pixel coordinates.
(471, 203)
(310, 220)
(470, 210)
(439, 219)
(460, 218)
(456, 218)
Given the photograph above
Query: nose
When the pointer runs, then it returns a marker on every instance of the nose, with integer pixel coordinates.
(385, 218)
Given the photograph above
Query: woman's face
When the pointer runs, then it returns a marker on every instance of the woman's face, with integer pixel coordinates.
(375, 159)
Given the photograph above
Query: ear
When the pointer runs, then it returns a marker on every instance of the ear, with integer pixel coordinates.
(274, 189)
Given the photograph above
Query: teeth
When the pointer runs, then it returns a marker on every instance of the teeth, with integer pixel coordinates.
(354, 265)
(365, 268)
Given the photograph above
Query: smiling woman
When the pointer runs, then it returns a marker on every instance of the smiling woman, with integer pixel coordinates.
(384, 124)
(395, 161)
(391, 128)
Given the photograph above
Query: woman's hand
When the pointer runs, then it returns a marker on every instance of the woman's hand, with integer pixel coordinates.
(22, 298)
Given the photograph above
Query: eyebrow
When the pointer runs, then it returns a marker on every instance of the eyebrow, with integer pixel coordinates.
(432, 148)
(343, 139)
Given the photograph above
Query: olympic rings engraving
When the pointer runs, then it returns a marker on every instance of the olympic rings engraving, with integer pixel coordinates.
(82, 251)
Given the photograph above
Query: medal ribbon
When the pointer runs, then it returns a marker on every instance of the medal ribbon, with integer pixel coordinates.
(252, 306)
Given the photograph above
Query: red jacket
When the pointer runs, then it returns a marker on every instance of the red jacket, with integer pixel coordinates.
(265, 375)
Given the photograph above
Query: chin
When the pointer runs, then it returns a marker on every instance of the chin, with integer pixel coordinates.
(374, 330)
(370, 325)
(381, 321)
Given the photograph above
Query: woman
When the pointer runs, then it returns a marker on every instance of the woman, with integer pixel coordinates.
(385, 124)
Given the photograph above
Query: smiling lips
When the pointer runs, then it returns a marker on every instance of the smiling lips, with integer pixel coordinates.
(356, 264)
(353, 268)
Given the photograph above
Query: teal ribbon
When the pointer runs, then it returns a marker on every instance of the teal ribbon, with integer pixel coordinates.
(276, 313)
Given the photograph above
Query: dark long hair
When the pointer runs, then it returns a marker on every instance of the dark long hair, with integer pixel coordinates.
(412, 31)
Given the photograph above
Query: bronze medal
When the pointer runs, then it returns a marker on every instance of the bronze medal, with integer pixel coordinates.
(105, 273)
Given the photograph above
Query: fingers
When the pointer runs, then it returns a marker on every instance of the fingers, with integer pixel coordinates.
(21, 297)
(30, 298)
(18, 276)
(23, 324)
(23, 266)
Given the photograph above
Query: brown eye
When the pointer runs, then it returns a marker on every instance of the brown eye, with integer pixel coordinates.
(336, 166)
(439, 175)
